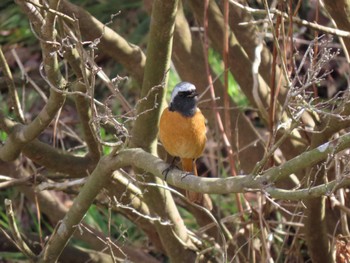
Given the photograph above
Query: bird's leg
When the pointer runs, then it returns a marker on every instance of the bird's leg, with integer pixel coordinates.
(194, 167)
(191, 169)
(170, 167)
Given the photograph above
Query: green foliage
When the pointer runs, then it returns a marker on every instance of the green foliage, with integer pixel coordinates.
(3, 219)
(173, 80)
(44, 225)
(121, 228)
(234, 91)
(128, 18)
(95, 219)
(14, 26)
(4, 106)
(3, 136)
(12, 257)
(105, 137)
(125, 230)
(188, 218)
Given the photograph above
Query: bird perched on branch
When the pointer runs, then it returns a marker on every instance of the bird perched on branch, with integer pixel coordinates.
(182, 132)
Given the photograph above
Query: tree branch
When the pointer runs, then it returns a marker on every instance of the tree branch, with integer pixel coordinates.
(65, 229)
(174, 237)
(11, 87)
(23, 134)
(15, 232)
(243, 183)
(127, 54)
(151, 164)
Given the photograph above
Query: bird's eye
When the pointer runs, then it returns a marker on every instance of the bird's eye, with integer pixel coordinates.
(187, 94)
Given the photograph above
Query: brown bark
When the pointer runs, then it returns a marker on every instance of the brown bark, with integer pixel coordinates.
(127, 54)
(340, 13)
(145, 130)
(189, 62)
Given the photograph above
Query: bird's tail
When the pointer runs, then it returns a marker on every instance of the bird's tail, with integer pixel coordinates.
(189, 165)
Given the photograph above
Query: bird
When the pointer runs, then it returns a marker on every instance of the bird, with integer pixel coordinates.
(182, 132)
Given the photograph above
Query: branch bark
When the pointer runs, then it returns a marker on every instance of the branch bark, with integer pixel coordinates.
(22, 135)
(190, 65)
(340, 12)
(65, 229)
(264, 182)
(174, 238)
(148, 162)
(114, 45)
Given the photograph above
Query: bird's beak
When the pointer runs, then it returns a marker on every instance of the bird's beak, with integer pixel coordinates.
(193, 94)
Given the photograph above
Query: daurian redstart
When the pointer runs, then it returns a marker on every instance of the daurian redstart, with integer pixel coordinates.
(182, 132)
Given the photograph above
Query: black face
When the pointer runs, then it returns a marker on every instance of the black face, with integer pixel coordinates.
(185, 102)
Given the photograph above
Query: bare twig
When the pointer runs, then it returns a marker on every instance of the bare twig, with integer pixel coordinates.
(16, 182)
(60, 186)
(53, 11)
(16, 234)
(11, 86)
(264, 181)
(325, 29)
(219, 122)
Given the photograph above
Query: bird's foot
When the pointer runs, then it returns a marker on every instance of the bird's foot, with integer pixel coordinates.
(167, 170)
(170, 167)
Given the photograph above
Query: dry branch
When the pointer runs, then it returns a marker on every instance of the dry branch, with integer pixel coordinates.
(16, 234)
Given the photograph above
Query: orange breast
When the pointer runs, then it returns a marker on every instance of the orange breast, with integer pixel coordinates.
(181, 136)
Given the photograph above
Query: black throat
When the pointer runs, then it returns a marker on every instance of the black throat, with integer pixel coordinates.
(185, 105)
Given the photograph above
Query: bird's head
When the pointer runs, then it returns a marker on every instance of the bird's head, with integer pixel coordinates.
(184, 99)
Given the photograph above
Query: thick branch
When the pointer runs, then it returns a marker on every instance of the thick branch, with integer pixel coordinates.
(84, 112)
(55, 210)
(65, 229)
(22, 135)
(150, 163)
(239, 63)
(48, 156)
(247, 37)
(265, 181)
(174, 238)
(340, 12)
(127, 54)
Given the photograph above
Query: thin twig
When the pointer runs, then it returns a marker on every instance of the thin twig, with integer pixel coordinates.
(227, 142)
(325, 29)
(11, 87)
(15, 232)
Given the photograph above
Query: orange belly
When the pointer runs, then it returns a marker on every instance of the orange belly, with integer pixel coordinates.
(181, 136)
